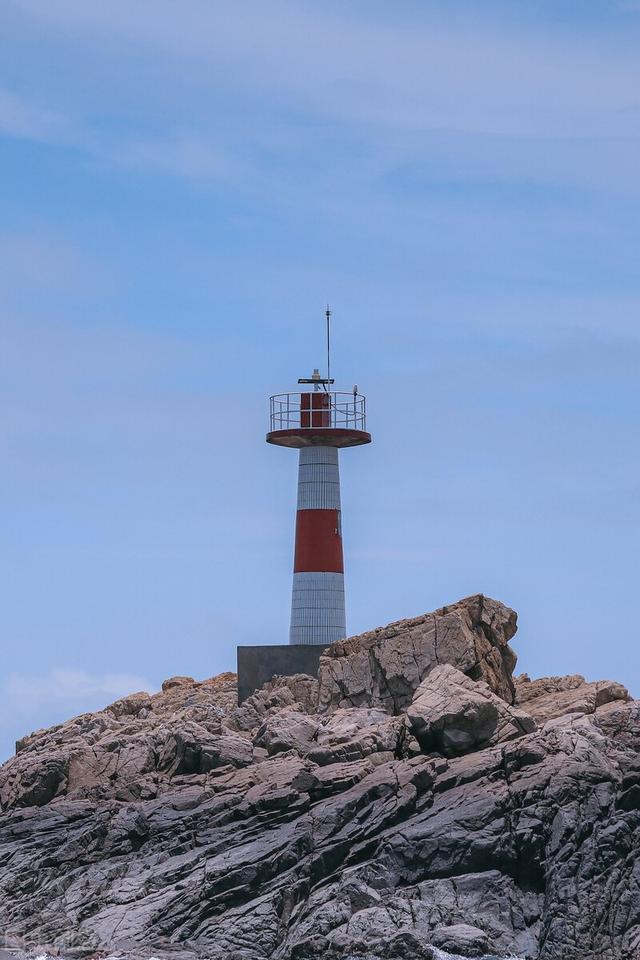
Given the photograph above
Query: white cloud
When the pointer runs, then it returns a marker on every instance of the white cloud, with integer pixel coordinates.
(24, 120)
(33, 701)
(190, 158)
(30, 695)
(472, 75)
(232, 90)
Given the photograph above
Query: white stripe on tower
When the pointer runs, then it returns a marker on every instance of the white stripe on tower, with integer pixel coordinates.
(317, 605)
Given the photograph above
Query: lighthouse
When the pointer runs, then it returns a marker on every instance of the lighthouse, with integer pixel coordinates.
(318, 422)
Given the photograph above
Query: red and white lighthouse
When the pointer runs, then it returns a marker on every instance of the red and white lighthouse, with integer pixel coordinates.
(318, 422)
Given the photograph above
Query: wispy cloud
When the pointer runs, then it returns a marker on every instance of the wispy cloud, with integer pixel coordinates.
(188, 157)
(44, 260)
(244, 94)
(472, 74)
(22, 119)
(227, 87)
(461, 179)
(26, 694)
(29, 700)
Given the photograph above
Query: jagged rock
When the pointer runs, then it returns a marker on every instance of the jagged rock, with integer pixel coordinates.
(386, 666)
(304, 689)
(34, 784)
(130, 750)
(249, 716)
(157, 827)
(227, 749)
(134, 705)
(287, 730)
(321, 782)
(552, 697)
(355, 734)
(461, 939)
(406, 946)
(452, 714)
(299, 691)
(191, 748)
(344, 736)
(124, 763)
(173, 682)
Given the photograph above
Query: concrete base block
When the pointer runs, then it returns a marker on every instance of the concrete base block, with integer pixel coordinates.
(258, 665)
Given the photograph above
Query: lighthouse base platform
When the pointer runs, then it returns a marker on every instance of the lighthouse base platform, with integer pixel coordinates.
(257, 665)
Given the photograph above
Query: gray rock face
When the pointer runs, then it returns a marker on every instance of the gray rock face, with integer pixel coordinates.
(353, 734)
(386, 666)
(462, 939)
(298, 692)
(452, 714)
(131, 750)
(180, 825)
(344, 736)
(552, 697)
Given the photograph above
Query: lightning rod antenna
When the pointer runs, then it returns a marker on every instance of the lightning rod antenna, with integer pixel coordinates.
(327, 314)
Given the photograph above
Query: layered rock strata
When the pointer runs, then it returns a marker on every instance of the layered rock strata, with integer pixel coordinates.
(322, 819)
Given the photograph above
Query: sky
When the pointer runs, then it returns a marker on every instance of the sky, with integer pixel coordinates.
(183, 187)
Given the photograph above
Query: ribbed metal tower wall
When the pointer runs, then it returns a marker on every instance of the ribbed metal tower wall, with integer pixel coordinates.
(317, 606)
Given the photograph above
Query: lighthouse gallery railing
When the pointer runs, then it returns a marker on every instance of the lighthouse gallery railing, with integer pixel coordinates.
(308, 411)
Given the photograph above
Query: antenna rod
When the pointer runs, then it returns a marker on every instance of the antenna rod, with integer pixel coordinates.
(328, 316)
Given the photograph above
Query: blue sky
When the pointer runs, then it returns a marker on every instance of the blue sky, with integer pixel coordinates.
(183, 187)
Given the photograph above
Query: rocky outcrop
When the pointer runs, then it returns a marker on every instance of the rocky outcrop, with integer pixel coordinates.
(552, 697)
(132, 749)
(435, 816)
(386, 666)
(345, 735)
(452, 714)
(298, 690)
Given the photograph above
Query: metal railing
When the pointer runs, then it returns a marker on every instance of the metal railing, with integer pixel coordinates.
(311, 411)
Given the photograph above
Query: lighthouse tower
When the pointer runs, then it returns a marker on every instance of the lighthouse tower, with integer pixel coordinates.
(318, 422)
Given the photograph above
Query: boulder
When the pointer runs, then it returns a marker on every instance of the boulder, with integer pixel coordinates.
(33, 781)
(189, 748)
(288, 729)
(344, 736)
(453, 715)
(406, 945)
(134, 705)
(174, 682)
(356, 733)
(552, 697)
(303, 688)
(320, 782)
(385, 667)
(462, 939)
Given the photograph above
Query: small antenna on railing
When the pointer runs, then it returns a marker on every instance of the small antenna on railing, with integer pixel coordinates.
(327, 314)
